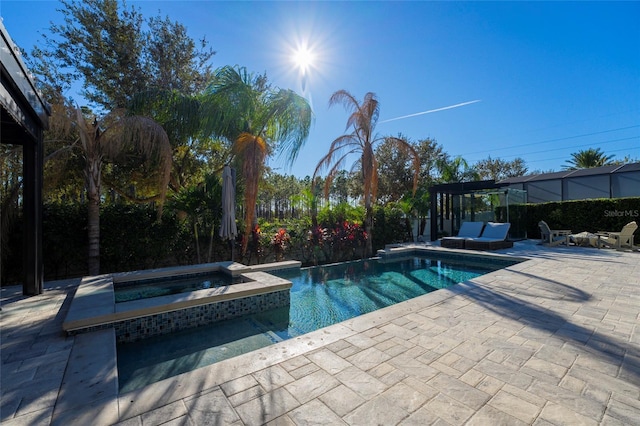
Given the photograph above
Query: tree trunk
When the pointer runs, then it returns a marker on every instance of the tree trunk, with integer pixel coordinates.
(195, 232)
(93, 215)
(368, 227)
(211, 235)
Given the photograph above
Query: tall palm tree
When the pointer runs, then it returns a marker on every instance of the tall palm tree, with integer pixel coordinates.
(362, 141)
(108, 139)
(258, 121)
(588, 158)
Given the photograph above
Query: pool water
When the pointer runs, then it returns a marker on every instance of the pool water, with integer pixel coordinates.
(144, 289)
(320, 296)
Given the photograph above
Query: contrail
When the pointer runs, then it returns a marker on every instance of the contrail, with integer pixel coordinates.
(431, 110)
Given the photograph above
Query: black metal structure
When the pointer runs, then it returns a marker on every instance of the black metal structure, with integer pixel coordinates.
(443, 195)
(25, 116)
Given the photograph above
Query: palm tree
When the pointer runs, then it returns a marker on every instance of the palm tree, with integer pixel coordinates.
(179, 114)
(588, 158)
(111, 137)
(362, 141)
(258, 121)
(456, 170)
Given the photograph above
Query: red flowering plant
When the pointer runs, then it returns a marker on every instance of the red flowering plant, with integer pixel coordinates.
(319, 242)
(318, 236)
(280, 241)
(348, 238)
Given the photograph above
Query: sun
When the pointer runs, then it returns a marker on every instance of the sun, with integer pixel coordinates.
(303, 58)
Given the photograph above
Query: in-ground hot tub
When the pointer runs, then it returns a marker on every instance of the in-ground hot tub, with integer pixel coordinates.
(94, 308)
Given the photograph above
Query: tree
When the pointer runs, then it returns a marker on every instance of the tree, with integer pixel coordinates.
(588, 158)
(278, 194)
(202, 205)
(94, 45)
(155, 70)
(172, 59)
(10, 184)
(340, 187)
(497, 169)
(395, 168)
(430, 153)
(105, 48)
(108, 138)
(456, 170)
(627, 159)
(194, 154)
(394, 171)
(361, 141)
(258, 120)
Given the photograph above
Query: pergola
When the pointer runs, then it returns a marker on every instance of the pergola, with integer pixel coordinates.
(25, 116)
(443, 205)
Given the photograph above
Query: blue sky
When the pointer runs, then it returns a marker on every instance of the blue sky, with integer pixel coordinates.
(549, 78)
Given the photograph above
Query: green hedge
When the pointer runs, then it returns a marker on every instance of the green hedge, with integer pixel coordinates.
(584, 215)
(132, 238)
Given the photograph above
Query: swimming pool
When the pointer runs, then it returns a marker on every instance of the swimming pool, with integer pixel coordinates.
(320, 296)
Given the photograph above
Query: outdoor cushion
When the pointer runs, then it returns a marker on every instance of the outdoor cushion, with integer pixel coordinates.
(494, 231)
(467, 230)
(470, 229)
(494, 237)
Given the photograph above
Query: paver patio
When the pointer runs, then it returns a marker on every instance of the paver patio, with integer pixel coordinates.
(550, 341)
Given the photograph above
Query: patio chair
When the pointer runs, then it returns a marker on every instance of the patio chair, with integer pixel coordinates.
(493, 237)
(618, 240)
(467, 230)
(553, 237)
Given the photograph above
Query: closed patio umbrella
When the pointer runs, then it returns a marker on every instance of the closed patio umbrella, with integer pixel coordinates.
(228, 229)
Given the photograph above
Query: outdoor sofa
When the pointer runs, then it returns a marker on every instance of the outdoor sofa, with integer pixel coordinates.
(493, 237)
(467, 230)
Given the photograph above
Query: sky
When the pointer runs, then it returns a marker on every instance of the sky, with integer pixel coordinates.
(534, 80)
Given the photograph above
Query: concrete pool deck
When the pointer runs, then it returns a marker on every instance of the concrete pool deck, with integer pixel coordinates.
(553, 340)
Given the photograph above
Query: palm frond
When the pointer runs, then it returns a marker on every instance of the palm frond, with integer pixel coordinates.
(345, 98)
(177, 113)
(333, 166)
(335, 151)
(144, 136)
(292, 117)
(229, 103)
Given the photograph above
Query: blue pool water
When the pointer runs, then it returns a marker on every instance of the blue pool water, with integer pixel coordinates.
(155, 287)
(320, 296)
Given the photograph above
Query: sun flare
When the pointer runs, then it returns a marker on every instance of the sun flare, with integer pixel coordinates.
(303, 58)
